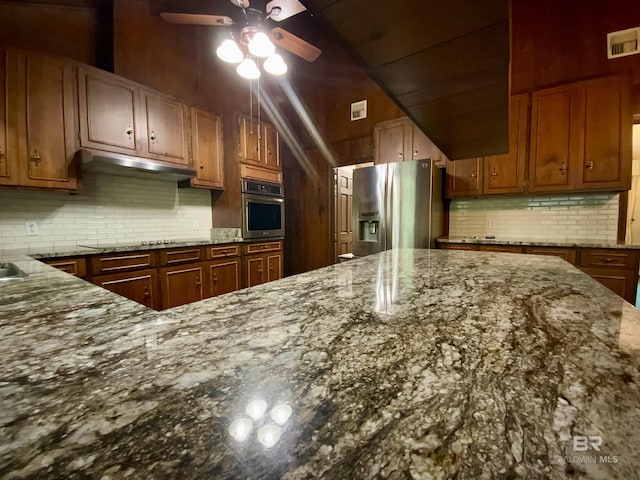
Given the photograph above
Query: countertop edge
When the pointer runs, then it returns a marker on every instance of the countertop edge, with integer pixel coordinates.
(536, 243)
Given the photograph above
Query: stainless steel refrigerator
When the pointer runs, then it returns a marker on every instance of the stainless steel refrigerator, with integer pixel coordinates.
(396, 205)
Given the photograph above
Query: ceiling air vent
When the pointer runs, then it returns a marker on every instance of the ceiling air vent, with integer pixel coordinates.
(623, 43)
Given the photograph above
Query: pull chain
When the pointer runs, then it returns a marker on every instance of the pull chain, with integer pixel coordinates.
(251, 106)
(259, 110)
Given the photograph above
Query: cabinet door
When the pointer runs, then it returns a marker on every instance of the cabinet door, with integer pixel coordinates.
(138, 286)
(254, 270)
(505, 173)
(622, 282)
(393, 141)
(166, 129)
(271, 148)
(8, 153)
(607, 134)
(249, 140)
(555, 138)
(206, 140)
(224, 277)
(46, 122)
(108, 108)
(464, 177)
(423, 147)
(181, 285)
(274, 266)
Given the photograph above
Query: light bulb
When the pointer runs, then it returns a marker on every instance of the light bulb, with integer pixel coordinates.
(275, 65)
(260, 45)
(269, 435)
(248, 69)
(240, 429)
(281, 413)
(256, 408)
(229, 51)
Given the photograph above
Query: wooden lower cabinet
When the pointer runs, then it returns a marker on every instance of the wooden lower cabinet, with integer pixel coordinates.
(568, 254)
(223, 276)
(76, 266)
(501, 248)
(262, 268)
(182, 284)
(140, 286)
(621, 282)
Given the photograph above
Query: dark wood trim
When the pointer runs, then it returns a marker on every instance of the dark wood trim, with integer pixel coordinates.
(622, 216)
(104, 36)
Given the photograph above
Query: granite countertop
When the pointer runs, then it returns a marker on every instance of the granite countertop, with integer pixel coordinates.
(538, 242)
(406, 364)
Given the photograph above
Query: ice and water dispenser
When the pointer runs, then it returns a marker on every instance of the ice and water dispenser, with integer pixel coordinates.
(369, 230)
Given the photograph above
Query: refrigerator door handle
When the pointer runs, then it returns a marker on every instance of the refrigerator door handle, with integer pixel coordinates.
(388, 214)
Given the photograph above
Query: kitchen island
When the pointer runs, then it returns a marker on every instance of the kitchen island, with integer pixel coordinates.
(405, 364)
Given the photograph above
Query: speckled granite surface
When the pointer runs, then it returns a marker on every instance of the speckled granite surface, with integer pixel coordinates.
(407, 364)
(537, 243)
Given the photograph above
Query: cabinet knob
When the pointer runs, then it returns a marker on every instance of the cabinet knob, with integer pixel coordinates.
(197, 282)
(269, 152)
(260, 269)
(473, 174)
(494, 174)
(201, 166)
(215, 278)
(129, 130)
(153, 135)
(590, 165)
(415, 152)
(146, 292)
(400, 155)
(608, 260)
(36, 156)
(563, 168)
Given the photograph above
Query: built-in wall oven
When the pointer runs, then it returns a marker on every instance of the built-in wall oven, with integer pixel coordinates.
(262, 209)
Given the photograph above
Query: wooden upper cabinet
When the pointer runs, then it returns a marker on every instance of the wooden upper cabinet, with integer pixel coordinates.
(208, 157)
(8, 153)
(249, 140)
(45, 121)
(108, 108)
(464, 177)
(555, 112)
(423, 148)
(392, 141)
(606, 162)
(506, 173)
(270, 150)
(165, 129)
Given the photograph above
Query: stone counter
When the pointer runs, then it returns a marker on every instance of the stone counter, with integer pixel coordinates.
(406, 364)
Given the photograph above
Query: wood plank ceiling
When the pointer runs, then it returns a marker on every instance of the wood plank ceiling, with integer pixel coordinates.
(446, 64)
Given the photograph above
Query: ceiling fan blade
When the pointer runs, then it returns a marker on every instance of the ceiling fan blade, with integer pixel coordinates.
(294, 44)
(240, 3)
(196, 19)
(283, 9)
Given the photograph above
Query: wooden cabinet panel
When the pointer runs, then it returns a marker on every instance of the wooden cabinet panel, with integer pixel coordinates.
(501, 248)
(392, 141)
(222, 252)
(567, 254)
(270, 150)
(139, 286)
(553, 144)
(180, 255)
(8, 153)
(182, 284)
(206, 142)
(621, 282)
(262, 247)
(76, 266)
(249, 141)
(607, 134)
(609, 258)
(464, 177)
(259, 173)
(458, 246)
(506, 173)
(423, 147)
(46, 122)
(108, 109)
(274, 266)
(224, 276)
(122, 261)
(166, 129)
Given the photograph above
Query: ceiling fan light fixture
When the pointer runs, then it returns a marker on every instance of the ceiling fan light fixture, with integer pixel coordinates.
(260, 45)
(248, 69)
(229, 52)
(275, 65)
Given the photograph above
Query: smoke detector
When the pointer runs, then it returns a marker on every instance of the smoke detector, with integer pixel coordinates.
(623, 43)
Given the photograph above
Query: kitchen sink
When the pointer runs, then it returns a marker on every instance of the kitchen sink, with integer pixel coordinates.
(9, 272)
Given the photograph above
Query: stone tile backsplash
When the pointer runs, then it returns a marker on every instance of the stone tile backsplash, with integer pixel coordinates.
(553, 217)
(108, 209)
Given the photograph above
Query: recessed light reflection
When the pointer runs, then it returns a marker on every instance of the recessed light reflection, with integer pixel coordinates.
(281, 413)
(256, 408)
(269, 434)
(240, 429)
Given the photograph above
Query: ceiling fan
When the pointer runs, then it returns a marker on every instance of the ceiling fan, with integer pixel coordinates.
(250, 34)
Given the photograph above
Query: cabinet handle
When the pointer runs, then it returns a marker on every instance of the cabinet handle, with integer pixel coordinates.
(608, 260)
(270, 266)
(260, 270)
(197, 282)
(153, 135)
(129, 130)
(201, 166)
(35, 157)
(146, 292)
(415, 152)
(563, 168)
(1, 152)
(494, 174)
(590, 165)
(400, 155)
(473, 174)
(269, 152)
(215, 278)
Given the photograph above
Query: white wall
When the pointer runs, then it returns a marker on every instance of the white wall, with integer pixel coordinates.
(111, 209)
(556, 217)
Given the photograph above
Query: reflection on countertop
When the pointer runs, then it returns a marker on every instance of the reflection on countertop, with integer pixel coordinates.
(407, 364)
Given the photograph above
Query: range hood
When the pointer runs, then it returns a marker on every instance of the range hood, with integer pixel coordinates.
(124, 165)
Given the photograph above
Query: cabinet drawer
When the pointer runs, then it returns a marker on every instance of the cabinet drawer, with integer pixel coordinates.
(262, 247)
(250, 171)
(223, 251)
(609, 258)
(73, 266)
(120, 262)
(501, 248)
(567, 254)
(458, 246)
(180, 255)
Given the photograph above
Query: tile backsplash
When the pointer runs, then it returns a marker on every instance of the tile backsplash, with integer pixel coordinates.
(554, 217)
(109, 209)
